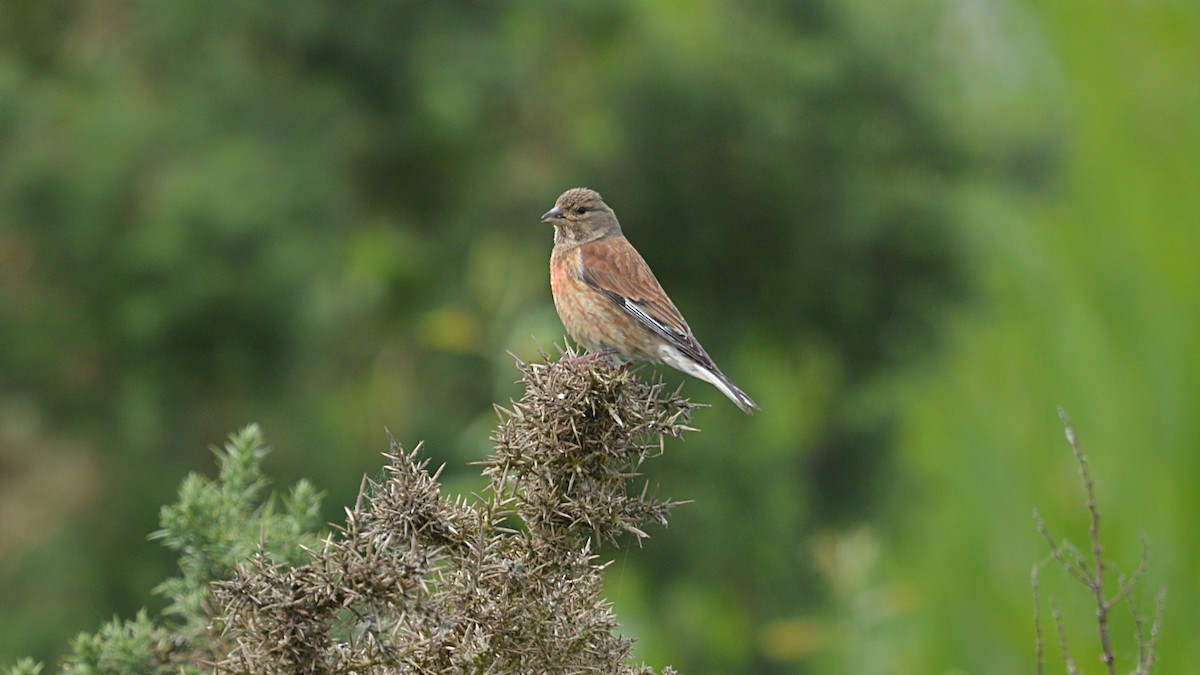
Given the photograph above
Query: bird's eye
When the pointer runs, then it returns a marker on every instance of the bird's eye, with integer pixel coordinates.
(581, 210)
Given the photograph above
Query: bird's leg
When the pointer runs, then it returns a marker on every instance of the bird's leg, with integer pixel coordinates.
(590, 356)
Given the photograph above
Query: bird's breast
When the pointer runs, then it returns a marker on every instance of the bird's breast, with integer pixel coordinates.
(581, 308)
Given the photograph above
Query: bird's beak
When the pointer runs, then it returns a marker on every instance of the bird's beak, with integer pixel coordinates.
(554, 215)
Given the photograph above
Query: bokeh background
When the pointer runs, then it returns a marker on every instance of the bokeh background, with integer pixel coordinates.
(908, 229)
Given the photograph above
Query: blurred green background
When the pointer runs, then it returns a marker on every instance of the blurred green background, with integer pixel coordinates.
(908, 229)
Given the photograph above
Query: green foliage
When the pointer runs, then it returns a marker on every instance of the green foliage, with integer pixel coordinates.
(137, 646)
(908, 229)
(1086, 293)
(214, 525)
(323, 217)
(25, 666)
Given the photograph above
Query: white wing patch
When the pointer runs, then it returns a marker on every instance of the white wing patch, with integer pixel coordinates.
(649, 319)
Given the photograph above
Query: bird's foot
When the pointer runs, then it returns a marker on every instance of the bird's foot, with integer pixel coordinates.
(590, 356)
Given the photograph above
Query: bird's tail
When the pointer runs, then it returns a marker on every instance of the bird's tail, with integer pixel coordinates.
(709, 372)
(735, 394)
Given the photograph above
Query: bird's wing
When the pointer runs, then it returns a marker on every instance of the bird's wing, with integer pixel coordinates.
(615, 268)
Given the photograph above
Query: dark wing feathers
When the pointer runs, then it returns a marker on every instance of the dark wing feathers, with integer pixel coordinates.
(615, 268)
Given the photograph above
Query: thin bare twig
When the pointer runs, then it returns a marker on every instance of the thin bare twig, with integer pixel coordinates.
(1062, 638)
(1037, 621)
(1074, 564)
(1138, 624)
(1091, 573)
(1125, 586)
(1160, 606)
(1097, 585)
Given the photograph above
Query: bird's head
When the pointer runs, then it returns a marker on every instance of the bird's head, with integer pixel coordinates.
(579, 216)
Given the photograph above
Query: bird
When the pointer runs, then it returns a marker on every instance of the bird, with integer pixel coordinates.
(610, 301)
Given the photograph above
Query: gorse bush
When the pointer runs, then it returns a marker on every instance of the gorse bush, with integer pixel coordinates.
(506, 581)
